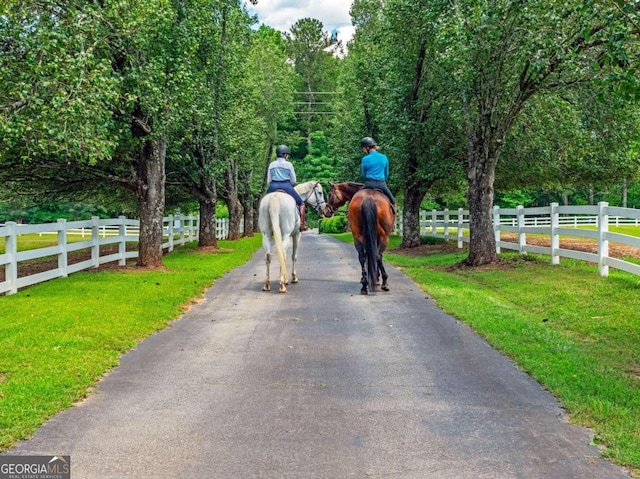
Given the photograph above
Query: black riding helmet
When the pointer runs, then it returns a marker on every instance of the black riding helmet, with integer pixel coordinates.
(367, 142)
(282, 150)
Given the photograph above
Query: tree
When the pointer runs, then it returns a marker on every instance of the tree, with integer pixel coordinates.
(199, 163)
(404, 99)
(90, 94)
(310, 49)
(501, 55)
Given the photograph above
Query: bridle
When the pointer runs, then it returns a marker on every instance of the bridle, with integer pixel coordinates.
(320, 204)
(330, 210)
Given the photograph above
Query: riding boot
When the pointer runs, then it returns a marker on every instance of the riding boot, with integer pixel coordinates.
(303, 218)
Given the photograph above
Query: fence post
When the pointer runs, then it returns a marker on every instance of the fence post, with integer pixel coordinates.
(62, 242)
(434, 221)
(191, 220)
(122, 245)
(522, 236)
(170, 232)
(95, 241)
(603, 242)
(496, 227)
(446, 224)
(460, 224)
(554, 218)
(195, 224)
(11, 249)
(181, 228)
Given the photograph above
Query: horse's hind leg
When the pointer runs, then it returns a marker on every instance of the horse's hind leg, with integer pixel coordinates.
(283, 282)
(385, 276)
(267, 282)
(295, 239)
(363, 261)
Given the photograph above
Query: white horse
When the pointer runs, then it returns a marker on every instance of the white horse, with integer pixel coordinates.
(278, 218)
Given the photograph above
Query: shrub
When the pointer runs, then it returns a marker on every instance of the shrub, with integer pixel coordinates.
(431, 240)
(333, 225)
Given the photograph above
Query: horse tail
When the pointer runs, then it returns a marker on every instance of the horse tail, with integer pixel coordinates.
(369, 213)
(274, 215)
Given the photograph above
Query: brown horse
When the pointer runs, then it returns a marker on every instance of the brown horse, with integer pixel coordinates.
(371, 220)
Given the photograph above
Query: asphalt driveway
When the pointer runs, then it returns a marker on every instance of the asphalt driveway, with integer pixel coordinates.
(320, 382)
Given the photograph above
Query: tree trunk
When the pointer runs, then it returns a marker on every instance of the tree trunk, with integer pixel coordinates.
(256, 209)
(411, 218)
(233, 203)
(625, 193)
(151, 183)
(207, 200)
(481, 177)
(235, 218)
(207, 226)
(247, 207)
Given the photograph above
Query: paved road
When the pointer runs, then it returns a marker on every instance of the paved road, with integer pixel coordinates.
(320, 382)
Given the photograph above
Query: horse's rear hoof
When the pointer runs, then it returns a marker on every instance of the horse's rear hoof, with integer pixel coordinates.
(385, 287)
(363, 291)
(282, 289)
(266, 287)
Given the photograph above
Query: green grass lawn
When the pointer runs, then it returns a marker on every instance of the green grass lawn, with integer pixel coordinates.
(575, 332)
(58, 338)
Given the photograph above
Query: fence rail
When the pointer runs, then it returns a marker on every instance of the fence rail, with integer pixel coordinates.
(553, 221)
(177, 230)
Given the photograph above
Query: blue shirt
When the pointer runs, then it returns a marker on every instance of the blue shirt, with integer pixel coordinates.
(281, 170)
(375, 166)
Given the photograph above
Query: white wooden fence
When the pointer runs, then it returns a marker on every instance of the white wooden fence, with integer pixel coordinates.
(178, 230)
(553, 221)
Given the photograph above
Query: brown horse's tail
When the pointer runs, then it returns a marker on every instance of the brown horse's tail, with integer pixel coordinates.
(369, 214)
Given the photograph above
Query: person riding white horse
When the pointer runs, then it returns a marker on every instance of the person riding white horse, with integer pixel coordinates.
(282, 176)
(277, 218)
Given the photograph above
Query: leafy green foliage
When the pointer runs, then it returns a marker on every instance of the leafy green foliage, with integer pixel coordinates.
(333, 225)
(318, 165)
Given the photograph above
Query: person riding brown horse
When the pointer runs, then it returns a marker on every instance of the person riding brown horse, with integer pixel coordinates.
(371, 221)
(375, 169)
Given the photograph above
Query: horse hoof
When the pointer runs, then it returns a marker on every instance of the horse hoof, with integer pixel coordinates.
(385, 287)
(266, 287)
(282, 290)
(294, 279)
(363, 291)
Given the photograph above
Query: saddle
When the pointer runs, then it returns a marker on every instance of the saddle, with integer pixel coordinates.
(393, 209)
(375, 189)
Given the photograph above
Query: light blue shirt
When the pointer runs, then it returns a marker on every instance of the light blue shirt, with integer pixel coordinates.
(281, 170)
(375, 166)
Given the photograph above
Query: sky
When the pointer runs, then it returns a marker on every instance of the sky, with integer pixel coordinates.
(282, 14)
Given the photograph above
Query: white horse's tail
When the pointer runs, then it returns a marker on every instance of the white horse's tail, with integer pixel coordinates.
(274, 215)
